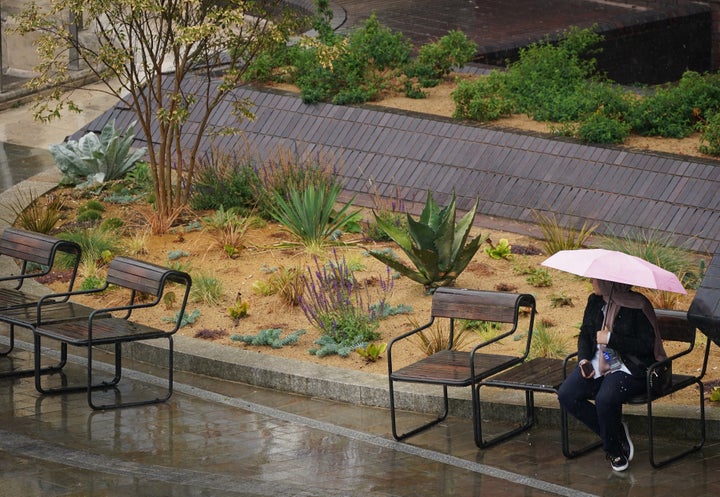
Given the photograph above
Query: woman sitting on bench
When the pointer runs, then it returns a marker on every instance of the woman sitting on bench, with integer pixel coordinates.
(615, 346)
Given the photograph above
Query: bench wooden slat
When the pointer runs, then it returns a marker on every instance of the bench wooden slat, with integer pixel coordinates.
(476, 305)
(52, 312)
(137, 275)
(453, 368)
(107, 330)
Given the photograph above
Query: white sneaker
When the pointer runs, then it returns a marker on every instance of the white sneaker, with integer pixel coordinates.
(627, 445)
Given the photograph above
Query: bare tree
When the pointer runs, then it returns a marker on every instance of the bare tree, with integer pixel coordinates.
(146, 52)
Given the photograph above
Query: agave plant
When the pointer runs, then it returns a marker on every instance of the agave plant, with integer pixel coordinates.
(436, 245)
(97, 159)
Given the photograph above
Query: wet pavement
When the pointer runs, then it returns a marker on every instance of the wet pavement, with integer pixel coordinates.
(216, 437)
(220, 438)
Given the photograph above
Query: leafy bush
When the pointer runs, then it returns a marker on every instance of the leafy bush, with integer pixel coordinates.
(674, 111)
(97, 159)
(598, 128)
(350, 69)
(710, 138)
(550, 80)
(435, 244)
(482, 99)
(435, 60)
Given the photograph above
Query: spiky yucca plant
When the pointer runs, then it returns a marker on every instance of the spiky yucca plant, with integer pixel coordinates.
(435, 244)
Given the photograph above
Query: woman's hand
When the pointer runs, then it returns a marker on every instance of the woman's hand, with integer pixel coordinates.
(586, 369)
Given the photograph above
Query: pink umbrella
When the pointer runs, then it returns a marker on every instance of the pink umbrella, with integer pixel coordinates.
(611, 265)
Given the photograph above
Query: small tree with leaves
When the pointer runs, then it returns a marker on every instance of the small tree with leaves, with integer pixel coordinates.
(145, 51)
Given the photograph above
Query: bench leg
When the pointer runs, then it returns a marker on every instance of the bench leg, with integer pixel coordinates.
(525, 425)
(651, 439)
(414, 431)
(11, 342)
(31, 371)
(118, 373)
(565, 436)
(39, 371)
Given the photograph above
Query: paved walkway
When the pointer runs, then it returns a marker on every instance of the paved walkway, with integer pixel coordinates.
(219, 438)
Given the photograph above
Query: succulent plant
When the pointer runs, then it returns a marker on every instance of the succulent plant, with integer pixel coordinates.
(436, 245)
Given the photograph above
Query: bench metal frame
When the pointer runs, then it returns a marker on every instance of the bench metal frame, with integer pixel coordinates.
(106, 326)
(31, 250)
(450, 368)
(546, 375)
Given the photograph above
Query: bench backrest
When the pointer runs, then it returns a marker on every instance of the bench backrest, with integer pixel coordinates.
(674, 326)
(38, 248)
(142, 276)
(480, 305)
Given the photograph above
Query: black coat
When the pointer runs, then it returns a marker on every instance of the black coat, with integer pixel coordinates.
(632, 335)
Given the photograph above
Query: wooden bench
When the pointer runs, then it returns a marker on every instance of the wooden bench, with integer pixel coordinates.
(452, 368)
(36, 254)
(145, 285)
(546, 375)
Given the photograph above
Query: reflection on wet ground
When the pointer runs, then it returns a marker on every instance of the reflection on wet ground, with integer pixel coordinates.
(18, 163)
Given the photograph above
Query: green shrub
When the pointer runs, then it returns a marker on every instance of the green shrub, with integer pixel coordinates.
(539, 277)
(89, 215)
(224, 180)
(598, 128)
(482, 99)
(674, 111)
(550, 80)
(710, 138)
(94, 242)
(350, 69)
(112, 223)
(344, 312)
(436, 60)
(286, 172)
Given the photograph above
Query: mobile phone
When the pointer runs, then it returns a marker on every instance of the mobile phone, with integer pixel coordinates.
(587, 368)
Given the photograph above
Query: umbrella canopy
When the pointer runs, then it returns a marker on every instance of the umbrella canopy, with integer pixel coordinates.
(611, 265)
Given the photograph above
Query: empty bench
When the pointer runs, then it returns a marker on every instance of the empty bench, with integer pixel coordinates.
(36, 255)
(144, 284)
(458, 368)
(546, 375)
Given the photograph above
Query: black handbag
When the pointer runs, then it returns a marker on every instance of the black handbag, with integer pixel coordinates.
(661, 379)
